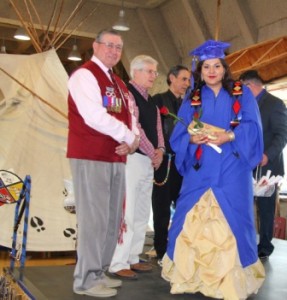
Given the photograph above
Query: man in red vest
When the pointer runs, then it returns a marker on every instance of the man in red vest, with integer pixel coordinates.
(102, 131)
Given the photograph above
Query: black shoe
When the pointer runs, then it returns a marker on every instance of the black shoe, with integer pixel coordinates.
(263, 256)
(159, 262)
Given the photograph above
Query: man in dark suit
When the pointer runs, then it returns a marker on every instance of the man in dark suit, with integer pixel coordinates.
(167, 181)
(274, 122)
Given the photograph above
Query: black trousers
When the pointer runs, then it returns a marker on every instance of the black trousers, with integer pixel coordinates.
(266, 213)
(162, 198)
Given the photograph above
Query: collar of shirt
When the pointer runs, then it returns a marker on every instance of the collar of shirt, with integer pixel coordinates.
(141, 90)
(258, 97)
(173, 96)
(101, 65)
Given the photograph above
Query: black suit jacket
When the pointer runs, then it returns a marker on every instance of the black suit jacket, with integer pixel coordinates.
(274, 121)
(168, 100)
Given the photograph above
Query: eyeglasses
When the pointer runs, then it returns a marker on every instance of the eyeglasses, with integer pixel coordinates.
(111, 46)
(151, 72)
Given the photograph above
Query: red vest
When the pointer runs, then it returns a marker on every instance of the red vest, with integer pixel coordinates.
(87, 143)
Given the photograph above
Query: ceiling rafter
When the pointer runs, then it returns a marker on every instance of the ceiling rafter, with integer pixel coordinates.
(196, 26)
(268, 58)
(245, 23)
(52, 36)
(173, 25)
(152, 39)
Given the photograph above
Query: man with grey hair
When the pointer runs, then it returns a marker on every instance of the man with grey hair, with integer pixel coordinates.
(139, 171)
(102, 132)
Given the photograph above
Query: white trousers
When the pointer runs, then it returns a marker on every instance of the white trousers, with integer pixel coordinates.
(139, 183)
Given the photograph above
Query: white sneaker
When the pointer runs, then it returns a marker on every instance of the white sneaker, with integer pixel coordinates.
(112, 283)
(100, 291)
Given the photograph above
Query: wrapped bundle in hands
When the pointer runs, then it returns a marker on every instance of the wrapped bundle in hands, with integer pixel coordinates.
(265, 186)
(195, 128)
(198, 127)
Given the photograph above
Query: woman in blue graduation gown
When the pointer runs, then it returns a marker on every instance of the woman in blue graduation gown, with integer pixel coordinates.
(212, 240)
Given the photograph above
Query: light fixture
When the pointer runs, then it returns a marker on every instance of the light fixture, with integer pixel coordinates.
(121, 24)
(74, 54)
(21, 34)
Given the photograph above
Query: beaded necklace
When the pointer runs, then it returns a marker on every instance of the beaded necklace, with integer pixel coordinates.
(235, 121)
(167, 172)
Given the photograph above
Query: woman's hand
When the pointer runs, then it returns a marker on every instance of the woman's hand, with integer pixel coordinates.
(199, 139)
(221, 138)
(217, 138)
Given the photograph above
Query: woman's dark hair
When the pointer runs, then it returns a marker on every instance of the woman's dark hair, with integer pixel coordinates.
(226, 80)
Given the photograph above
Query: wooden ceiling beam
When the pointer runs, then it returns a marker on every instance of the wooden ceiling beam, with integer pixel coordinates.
(153, 40)
(196, 26)
(268, 58)
(244, 21)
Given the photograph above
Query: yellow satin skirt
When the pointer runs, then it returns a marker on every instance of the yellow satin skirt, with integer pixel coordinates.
(206, 258)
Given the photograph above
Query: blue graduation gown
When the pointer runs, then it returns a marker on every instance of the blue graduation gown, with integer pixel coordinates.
(228, 174)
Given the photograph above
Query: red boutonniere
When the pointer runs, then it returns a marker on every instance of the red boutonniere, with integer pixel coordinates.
(196, 118)
(196, 103)
(196, 99)
(165, 112)
(237, 88)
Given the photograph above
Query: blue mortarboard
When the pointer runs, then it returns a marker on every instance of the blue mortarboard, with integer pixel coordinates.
(210, 49)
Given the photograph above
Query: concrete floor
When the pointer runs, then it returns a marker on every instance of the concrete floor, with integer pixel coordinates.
(55, 282)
